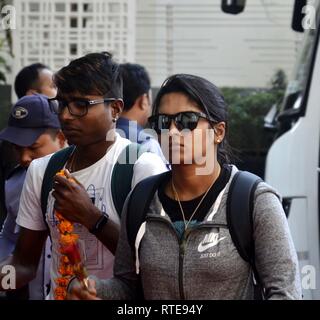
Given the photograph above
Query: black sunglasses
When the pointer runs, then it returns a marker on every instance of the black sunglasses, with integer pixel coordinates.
(76, 107)
(182, 120)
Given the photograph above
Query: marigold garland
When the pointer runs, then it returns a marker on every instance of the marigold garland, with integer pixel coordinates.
(70, 260)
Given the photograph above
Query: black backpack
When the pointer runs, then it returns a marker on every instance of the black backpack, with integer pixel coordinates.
(239, 215)
(120, 180)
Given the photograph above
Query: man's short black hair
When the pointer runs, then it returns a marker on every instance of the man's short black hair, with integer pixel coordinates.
(92, 74)
(136, 82)
(28, 78)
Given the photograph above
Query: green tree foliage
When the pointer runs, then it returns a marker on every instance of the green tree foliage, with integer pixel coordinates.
(247, 109)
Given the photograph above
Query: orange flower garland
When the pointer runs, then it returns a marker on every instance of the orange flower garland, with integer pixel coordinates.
(70, 260)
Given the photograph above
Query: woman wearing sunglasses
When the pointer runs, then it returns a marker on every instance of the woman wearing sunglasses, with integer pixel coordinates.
(184, 248)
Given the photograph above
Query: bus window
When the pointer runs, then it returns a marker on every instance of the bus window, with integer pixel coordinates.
(294, 102)
(298, 82)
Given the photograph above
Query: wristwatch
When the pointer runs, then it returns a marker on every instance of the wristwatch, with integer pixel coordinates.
(100, 223)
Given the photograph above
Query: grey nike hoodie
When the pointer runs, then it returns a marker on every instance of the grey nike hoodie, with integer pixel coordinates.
(206, 264)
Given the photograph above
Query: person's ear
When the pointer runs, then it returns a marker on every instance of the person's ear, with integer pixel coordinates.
(61, 139)
(143, 102)
(116, 108)
(220, 131)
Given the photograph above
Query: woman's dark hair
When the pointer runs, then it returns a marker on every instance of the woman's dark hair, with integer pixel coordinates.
(92, 74)
(207, 97)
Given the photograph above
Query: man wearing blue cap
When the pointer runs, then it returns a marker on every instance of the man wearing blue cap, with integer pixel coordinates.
(32, 79)
(35, 131)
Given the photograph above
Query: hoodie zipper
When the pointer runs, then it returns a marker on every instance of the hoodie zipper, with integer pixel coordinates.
(182, 244)
(182, 247)
(182, 250)
(180, 274)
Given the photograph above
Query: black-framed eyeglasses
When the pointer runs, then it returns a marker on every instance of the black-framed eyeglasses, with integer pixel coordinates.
(182, 120)
(76, 107)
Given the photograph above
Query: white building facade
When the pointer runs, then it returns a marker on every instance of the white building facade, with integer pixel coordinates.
(167, 36)
(54, 32)
(195, 36)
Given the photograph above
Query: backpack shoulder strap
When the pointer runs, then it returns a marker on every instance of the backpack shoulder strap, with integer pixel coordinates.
(240, 212)
(240, 205)
(56, 163)
(139, 203)
(122, 174)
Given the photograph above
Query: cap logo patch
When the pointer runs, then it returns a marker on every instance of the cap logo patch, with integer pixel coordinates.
(19, 113)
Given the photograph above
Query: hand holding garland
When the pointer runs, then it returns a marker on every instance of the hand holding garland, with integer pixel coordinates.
(74, 204)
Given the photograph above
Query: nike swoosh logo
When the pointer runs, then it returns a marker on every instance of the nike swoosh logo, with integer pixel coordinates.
(203, 247)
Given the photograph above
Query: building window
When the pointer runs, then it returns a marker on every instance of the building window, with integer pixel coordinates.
(74, 7)
(60, 7)
(33, 18)
(34, 7)
(73, 49)
(87, 7)
(73, 23)
(61, 21)
(46, 35)
(84, 22)
(114, 7)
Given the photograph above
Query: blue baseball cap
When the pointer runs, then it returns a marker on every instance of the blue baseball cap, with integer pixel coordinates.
(30, 117)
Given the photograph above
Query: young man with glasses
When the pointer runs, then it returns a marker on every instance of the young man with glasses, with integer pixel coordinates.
(89, 101)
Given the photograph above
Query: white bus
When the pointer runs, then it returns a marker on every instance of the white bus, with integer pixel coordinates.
(292, 165)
